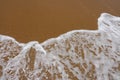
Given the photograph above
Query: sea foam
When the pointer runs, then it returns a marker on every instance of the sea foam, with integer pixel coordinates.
(75, 55)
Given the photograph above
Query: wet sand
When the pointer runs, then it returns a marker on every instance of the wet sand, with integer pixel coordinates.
(27, 20)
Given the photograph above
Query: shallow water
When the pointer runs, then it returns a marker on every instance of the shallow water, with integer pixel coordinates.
(27, 20)
(75, 55)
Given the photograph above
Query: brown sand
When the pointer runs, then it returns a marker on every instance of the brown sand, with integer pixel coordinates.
(39, 20)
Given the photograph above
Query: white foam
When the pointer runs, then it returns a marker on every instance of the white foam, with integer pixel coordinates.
(75, 55)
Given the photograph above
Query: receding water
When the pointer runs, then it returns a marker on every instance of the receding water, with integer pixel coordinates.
(75, 55)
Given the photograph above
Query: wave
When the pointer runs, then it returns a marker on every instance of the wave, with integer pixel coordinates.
(75, 55)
